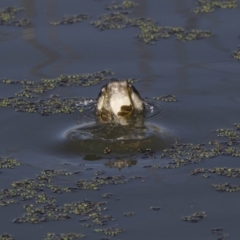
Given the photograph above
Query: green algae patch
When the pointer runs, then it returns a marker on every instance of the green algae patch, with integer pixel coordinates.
(6, 236)
(63, 236)
(236, 54)
(71, 19)
(150, 31)
(207, 6)
(195, 217)
(8, 162)
(166, 98)
(7, 16)
(124, 5)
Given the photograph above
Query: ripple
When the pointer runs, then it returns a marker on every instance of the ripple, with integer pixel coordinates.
(93, 137)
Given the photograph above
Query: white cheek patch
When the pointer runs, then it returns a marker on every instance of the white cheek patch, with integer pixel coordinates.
(117, 101)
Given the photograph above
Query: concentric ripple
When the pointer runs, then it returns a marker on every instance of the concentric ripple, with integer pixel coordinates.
(98, 139)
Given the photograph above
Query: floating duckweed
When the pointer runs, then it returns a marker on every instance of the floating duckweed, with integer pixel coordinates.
(110, 231)
(183, 154)
(45, 107)
(195, 217)
(53, 212)
(54, 104)
(236, 54)
(97, 173)
(8, 162)
(86, 225)
(228, 172)
(121, 163)
(107, 150)
(103, 220)
(198, 170)
(107, 195)
(71, 19)
(31, 89)
(147, 153)
(124, 5)
(7, 14)
(63, 236)
(150, 31)
(226, 187)
(193, 35)
(43, 198)
(155, 208)
(212, 5)
(219, 234)
(95, 183)
(129, 214)
(6, 237)
(166, 98)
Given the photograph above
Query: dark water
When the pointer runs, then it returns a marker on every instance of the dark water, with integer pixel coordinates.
(203, 76)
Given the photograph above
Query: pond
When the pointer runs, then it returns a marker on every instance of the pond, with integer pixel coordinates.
(65, 176)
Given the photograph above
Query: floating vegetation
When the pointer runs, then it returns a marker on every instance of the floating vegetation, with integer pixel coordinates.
(9, 13)
(183, 154)
(54, 104)
(227, 172)
(155, 208)
(107, 195)
(226, 187)
(63, 236)
(236, 54)
(193, 35)
(129, 214)
(195, 217)
(8, 162)
(166, 98)
(150, 31)
(219, 234)
(96, 182)
(107, 150)
(6, 236)
(211, 5)
(147, 153)
(33, 89)
(110, 231)
(198, 170)
(121, 163)
(71, 19)
(123, 6)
